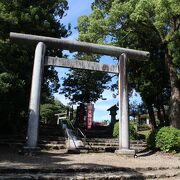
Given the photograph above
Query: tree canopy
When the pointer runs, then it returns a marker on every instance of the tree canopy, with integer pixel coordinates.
(33, 17)
(82, 86)
(145, 25)
(48, 110)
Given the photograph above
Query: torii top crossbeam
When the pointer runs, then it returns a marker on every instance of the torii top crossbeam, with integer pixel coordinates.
(80, 46)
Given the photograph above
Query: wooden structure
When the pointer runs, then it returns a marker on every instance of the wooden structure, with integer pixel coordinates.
(40, 60)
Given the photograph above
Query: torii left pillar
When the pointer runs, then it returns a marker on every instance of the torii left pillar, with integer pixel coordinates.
(34, 104)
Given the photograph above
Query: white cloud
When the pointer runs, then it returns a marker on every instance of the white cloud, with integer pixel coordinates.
(61, 98)
(135, 98)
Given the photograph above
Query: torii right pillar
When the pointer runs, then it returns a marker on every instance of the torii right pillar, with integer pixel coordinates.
(124, 142)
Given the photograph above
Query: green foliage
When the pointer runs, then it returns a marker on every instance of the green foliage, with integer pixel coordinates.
(48, 111)
(138, 24)
(134, 109)
(11, 94)
(116, 130)
(165, 139)
(82, 86)
(132, 131)
(16, 61)
(168, 139)
(9, 83)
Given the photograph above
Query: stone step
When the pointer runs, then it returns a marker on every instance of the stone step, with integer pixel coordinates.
(52, 146)
(96, 173)
(98, 140)
(41, 138)
(52, 139)
(115, 144)
(170, 173)
(101, 140)
(48, 145)
(57, 145)
(41, 143)
(110, 149)
(42, 146)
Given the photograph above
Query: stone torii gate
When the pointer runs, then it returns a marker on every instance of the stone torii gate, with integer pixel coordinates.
(40, 60)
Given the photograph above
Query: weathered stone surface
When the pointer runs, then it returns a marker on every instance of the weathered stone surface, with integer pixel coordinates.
(125, 152)
(99, 174)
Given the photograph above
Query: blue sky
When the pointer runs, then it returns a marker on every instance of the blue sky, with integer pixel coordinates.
(78, 8)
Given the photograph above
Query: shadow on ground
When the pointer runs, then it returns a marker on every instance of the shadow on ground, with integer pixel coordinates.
(146, 152)
(9, 156)
(48, 162)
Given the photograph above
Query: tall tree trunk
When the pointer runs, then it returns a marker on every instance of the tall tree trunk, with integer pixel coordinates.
(158, 106)
(174, 114)
(165, 117)
(175, 107)
(159, 115)
(151, 116)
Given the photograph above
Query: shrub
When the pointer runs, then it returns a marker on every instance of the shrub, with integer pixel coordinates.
(116, 129)
(168, 139)
(132, 131)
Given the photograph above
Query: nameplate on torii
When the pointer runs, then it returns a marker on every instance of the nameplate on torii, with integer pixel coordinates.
(81, 64)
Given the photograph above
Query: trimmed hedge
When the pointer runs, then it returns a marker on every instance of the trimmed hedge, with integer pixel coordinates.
(166, 139)
(132, 131)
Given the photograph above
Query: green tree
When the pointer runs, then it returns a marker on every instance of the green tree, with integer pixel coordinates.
(134, 110)
(82, 86)
(163, 17)
(145, 25)
(33, 17)
(48, 110)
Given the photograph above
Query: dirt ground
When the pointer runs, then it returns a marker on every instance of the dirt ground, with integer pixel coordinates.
(9, 158)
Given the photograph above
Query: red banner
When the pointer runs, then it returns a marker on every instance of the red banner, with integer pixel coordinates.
(90, 113)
